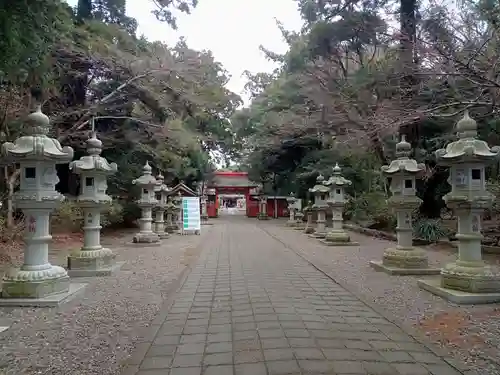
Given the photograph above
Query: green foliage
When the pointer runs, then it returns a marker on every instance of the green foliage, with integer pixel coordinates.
(68, 217)
(112, 216)
(370, 209)
(430, 230)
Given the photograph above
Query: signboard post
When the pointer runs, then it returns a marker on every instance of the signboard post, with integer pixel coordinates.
(191, 220)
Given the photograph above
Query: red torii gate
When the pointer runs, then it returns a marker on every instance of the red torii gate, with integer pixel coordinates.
(237, 183)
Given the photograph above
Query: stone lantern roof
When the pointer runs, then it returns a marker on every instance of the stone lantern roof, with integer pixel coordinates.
(291, 198)
(403, 163)
(160, 186)
(93, 162)
(337, 179)
(467, 148)
(320, 186)
(147, 179)
(37, 145)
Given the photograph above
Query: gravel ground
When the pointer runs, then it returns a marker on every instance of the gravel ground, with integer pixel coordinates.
(470, 333)
(96, 331)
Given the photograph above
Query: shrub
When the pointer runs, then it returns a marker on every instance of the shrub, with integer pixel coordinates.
(10, 234)
(68, 217)
(372, 208)
(431, 230)
(112, 216)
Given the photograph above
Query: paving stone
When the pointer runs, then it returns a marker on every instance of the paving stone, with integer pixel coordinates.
(161, 350)
(195, 338)
(278, 354)
(248, 356)
(219, 370)
(410, 369)
(187, 360)
(186, 371)
(219, 347)
(250, 369)
(218, 359)
(313, 366)
(250, 306)
(308, 353)
(283, 367)
(379, 368)
(156, 363)
(347, 367)
(192, 348)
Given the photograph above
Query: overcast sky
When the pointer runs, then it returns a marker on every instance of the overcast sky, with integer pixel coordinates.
(231, 29)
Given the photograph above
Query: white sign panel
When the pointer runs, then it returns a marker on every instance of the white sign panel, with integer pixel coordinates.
(191, 214)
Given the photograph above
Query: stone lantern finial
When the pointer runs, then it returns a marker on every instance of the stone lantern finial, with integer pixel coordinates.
(320, 179)
(38, 122)
(403, 148)
(94, 145)
(337, 170)
(160, 178)
(147, 168)
(466, 127)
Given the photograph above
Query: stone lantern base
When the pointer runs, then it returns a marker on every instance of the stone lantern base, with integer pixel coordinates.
(309, 229)
(262, 216)
(404, 261)
(146, 239)
(316, 234)
(86, 263)
(466, 283)
(45, 288)
(291, 223)
(338, 238)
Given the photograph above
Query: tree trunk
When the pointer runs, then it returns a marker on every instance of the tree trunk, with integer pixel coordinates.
(11, 185)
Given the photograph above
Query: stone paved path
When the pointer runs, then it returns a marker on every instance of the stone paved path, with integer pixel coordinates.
(252, 307)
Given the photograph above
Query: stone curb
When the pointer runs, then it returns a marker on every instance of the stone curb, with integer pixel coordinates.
(130, 366)
(392, 237)
(410, 331)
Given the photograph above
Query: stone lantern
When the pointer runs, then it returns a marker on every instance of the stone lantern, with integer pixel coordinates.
(170, 209)
(262, 207)
(204, 211)
(468, 279)
(92, 259)
(161, 192)
(291, 200)
(404, 259)
(337, 183)
(177, 218)
(299, 216)
(147, 201)
(320, 193)
(309, 228)
(37, 155)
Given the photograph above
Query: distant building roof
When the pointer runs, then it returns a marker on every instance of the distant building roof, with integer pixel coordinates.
(183, 189)
(231, 181)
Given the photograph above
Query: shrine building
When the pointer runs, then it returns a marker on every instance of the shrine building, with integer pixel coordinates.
(233, 192)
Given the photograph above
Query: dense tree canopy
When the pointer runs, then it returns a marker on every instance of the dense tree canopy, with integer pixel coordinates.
(358, 74)
(147, 100)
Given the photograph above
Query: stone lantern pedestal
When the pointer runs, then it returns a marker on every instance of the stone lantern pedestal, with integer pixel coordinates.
(309, 228)
(161, 191)
(204, 210)
(404, 259)
(299, 217)
(169, 209)
(337, 236)
(147, 183)
(291, 200)
(37, 282)
(263, 208)
(320, 193)
(92, 259)
(468, 280)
